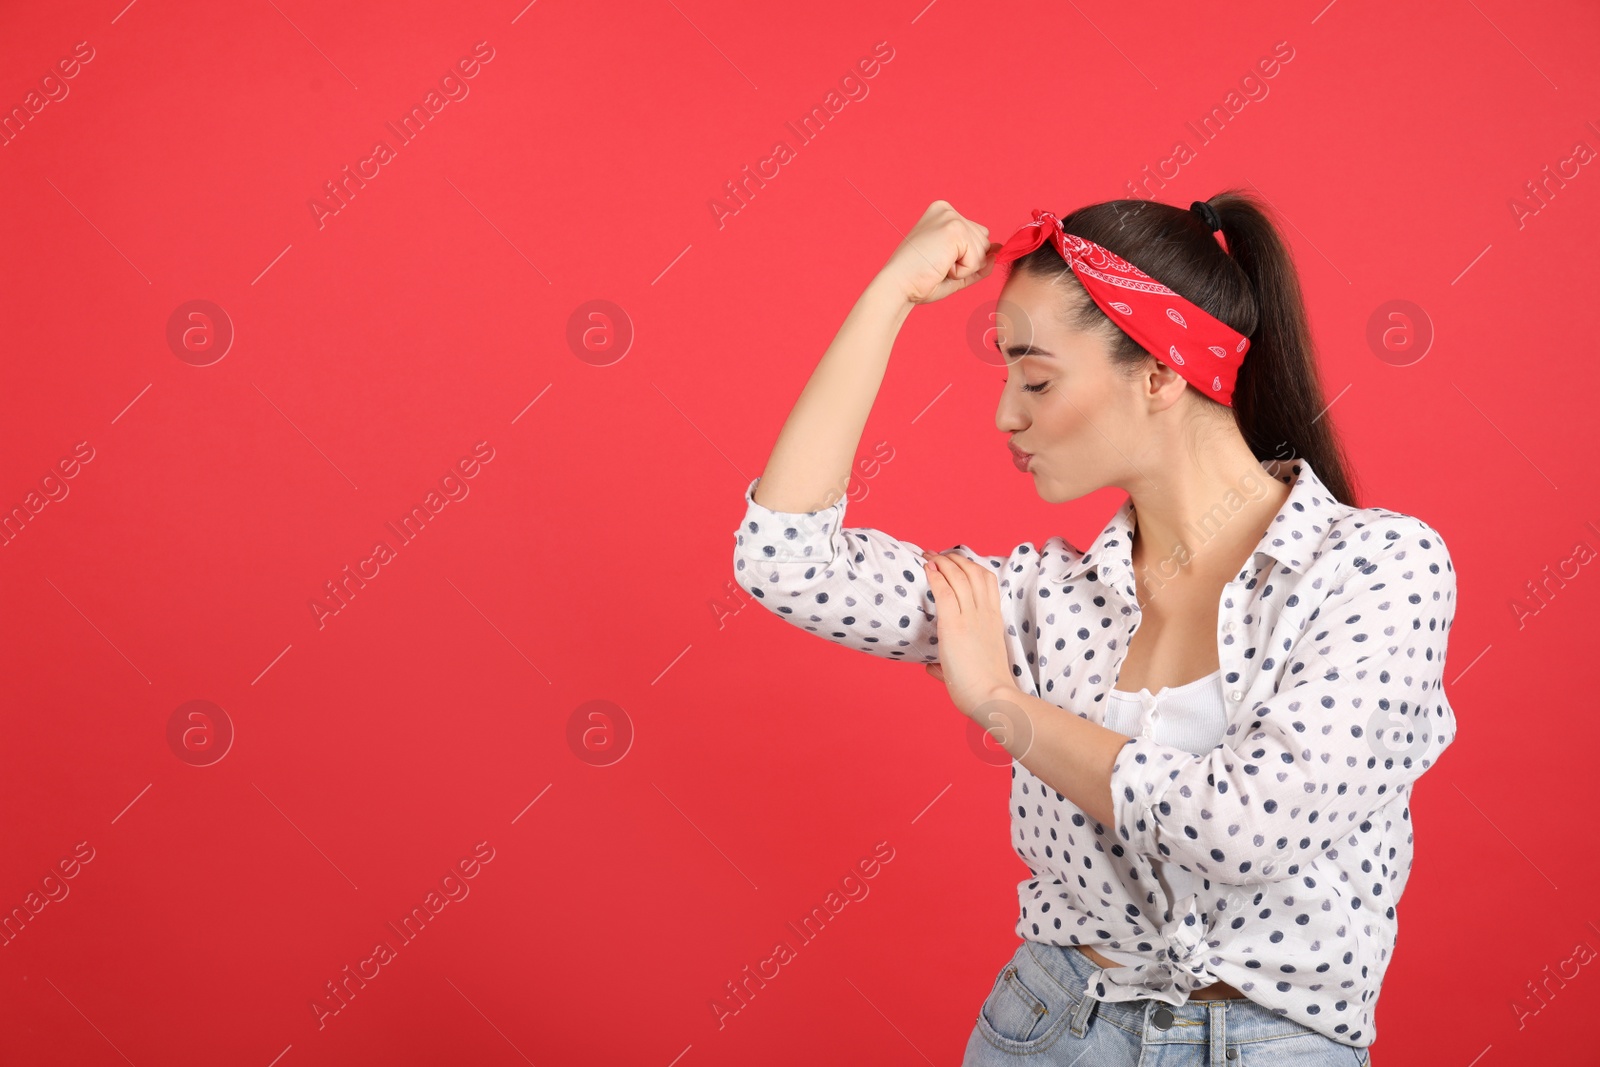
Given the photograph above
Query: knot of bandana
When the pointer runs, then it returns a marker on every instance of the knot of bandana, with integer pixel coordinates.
(1206, 351)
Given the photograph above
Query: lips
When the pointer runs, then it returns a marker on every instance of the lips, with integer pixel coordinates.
(1020, 458)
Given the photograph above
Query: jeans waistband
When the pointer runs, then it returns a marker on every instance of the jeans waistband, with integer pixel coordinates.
(1246, 1020)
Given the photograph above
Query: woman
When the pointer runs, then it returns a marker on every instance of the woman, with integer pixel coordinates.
(1216, 814)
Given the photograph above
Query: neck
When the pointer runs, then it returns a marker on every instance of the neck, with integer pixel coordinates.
(1202, 517)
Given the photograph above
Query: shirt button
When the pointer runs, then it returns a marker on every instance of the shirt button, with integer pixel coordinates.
(1229, 627)
(1237, 695)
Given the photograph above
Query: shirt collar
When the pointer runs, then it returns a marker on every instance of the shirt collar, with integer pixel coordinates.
(1293, 538)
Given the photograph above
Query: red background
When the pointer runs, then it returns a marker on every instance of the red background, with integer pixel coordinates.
(591, 559)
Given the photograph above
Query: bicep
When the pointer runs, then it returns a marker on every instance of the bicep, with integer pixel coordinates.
(855, 586)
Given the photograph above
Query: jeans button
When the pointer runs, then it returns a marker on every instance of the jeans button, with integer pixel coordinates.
(1163, 1018)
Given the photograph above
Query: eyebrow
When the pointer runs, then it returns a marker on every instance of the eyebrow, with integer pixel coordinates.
(1021, 350)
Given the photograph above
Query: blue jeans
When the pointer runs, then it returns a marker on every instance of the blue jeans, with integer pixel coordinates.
(1035, 1015)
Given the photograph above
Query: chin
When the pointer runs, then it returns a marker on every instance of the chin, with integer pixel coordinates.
(1048, 491)
(1053, 492)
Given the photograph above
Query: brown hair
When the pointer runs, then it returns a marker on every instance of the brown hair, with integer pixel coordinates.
(1278, 404)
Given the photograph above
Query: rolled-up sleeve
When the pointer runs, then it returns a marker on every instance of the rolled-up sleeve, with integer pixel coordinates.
(856, 587)
(1359, 714)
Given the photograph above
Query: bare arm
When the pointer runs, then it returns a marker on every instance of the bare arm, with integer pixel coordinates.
(809, 468)
(856, 586)
(1071, 755)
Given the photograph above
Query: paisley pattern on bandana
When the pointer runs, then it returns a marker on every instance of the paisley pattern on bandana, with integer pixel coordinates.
(1163, 323)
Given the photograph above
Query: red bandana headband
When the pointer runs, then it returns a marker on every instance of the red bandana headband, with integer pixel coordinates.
(1205, 350)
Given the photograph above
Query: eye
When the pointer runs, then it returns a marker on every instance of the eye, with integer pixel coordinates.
(1029, 388)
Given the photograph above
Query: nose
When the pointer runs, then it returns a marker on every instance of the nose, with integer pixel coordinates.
(1008, 417)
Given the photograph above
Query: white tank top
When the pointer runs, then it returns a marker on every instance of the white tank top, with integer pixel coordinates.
(1192, 717)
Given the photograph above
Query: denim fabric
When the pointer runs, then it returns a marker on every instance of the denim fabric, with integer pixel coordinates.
(1037, 1014)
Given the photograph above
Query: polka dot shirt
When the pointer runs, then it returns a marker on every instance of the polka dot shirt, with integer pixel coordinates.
(1296, 826)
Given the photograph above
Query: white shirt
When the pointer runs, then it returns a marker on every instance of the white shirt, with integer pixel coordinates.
(1192, 716)
(1296, 823)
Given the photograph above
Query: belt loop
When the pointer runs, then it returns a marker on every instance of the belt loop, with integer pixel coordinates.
(1080, 1014)
(1219, 1035)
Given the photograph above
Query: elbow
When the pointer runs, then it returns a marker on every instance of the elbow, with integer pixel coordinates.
(766, 588)
(744, 576)
(763, 568)
(782, 589)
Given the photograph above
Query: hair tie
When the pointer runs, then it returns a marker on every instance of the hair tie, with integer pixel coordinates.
(1213, 221)
(1205, 350)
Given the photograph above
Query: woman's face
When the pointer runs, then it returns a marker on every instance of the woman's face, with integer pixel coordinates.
(1062, 402)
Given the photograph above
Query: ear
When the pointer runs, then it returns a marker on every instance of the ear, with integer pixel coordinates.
(1163, 386)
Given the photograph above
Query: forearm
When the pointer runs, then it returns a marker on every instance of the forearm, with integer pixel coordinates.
(809, 468)
(1069, 754)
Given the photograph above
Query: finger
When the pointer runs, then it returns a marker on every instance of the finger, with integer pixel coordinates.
(972, 248)
(985, 586)
(989, 261)
(980, 240)
(970, 570)
(982, 250)
(944, 594)
(977, 258)
(960, 584)
(976, 574)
